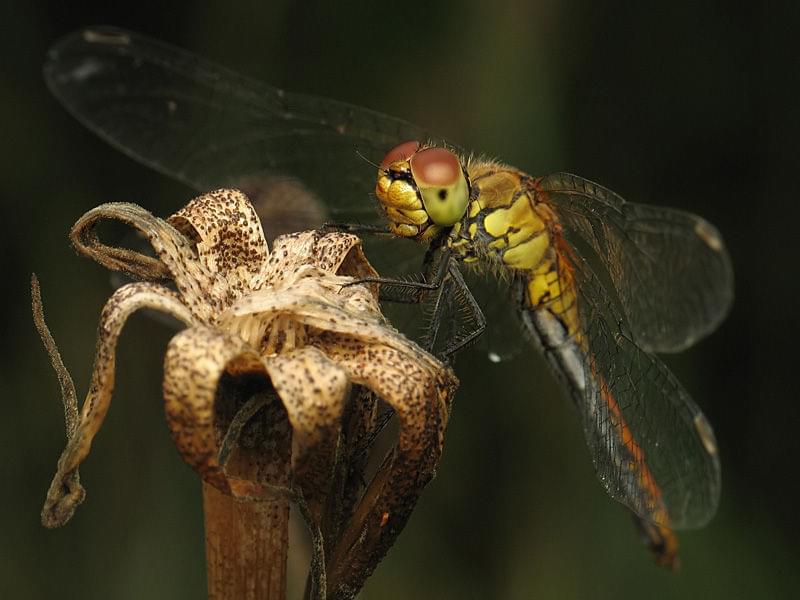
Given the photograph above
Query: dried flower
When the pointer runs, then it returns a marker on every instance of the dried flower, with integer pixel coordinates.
(284, 335)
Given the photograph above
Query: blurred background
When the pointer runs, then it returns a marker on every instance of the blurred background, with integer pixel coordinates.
(689, 104)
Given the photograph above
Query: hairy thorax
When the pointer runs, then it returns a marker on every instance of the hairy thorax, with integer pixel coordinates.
(504, 226)
(510, 230)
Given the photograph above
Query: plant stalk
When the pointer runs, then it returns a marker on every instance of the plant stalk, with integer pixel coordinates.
(246, 546)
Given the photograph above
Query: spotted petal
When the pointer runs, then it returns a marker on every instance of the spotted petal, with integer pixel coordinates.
(226, 234)
(61, 500)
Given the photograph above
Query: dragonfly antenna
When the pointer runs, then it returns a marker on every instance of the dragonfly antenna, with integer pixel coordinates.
(366, 160)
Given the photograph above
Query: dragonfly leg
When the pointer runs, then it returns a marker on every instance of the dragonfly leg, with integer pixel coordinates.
(469, 307)
(408, 291)
(357, 229)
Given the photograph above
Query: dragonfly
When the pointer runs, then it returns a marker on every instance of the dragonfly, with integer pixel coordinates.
(601, 285)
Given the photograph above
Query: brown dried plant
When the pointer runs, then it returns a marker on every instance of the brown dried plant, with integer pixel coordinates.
(273, 386)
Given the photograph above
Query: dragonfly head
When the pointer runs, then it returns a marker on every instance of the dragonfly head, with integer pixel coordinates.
(422, 189)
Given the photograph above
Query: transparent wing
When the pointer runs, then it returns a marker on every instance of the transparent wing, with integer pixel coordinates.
(669, 268)
(502, 341)
(652, 448)
(210, 127)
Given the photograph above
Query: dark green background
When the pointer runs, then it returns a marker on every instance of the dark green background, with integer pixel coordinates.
(690, 104)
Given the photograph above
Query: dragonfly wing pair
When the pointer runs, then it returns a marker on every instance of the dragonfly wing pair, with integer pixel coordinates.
(647, 279)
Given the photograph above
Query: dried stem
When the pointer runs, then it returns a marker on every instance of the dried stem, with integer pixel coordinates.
(246, 546)
(68, 395)
(247, 540)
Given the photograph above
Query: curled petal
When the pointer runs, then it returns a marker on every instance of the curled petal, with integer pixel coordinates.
(61, 500)
(314, 390)
(134, 264)
(420, 394)
(176, 258)
(195, 362)
(228, 238)
(214, 249)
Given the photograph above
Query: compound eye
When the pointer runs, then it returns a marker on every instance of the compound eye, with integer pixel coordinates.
(402, 151)
(435, 167)
(441, 182)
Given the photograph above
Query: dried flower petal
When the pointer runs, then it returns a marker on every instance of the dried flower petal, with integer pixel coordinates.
(196, 358)
(230, 244)
(62, 499)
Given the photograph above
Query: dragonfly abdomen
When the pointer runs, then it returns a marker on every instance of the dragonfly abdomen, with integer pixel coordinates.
(563, 351)
(569, 357)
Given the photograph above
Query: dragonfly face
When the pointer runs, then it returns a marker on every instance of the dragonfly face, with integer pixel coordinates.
(601, 284)
(421, 190)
